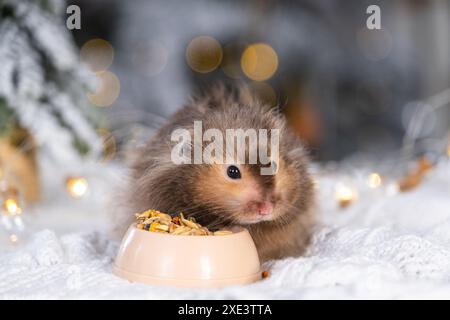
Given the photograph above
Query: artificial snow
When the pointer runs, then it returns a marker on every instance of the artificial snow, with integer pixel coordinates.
(385, 245)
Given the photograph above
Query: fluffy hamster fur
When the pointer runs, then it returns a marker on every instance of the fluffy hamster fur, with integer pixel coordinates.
(207, 193)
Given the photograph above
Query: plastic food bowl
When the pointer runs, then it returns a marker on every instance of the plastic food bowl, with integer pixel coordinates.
(187, 261)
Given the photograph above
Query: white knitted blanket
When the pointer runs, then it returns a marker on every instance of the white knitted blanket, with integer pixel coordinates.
(381, 247)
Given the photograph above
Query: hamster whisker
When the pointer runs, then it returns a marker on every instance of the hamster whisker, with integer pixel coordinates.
(202, 192)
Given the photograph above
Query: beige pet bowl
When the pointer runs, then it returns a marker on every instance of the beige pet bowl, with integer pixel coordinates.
(187, 261)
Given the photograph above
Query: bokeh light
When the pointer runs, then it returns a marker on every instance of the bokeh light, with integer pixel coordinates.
(259, 61)
(98, 54)
(13, 238)
(12, 206)
(374, 180)
(107, 90)
(345, 195)
(204, 54)
(76, 186)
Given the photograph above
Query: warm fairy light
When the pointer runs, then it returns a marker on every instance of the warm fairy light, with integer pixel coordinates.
(345, 195)
(76, 186)
(374, 180)
(13, 238)
(448, 150)
(98, 54)
(259, 61)
(204, 54)
(107, 91)
(11, 206)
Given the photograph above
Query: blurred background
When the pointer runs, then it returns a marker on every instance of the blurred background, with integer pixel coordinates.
(83, 82)
(344, 88)
(75, 96)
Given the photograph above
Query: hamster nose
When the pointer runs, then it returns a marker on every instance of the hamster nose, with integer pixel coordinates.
(265, 208)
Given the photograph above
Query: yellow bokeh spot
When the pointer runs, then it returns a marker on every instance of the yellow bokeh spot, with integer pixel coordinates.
(76, 186)
(259, 61)
(98, 54)
(11, 206)
(204, 54)
(13, 238)
(107, 91)
(374, 180)
(345, 195)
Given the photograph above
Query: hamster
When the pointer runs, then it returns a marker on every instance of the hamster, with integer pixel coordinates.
(278, 210)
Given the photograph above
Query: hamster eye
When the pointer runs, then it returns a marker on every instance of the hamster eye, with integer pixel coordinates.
(233, 172)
